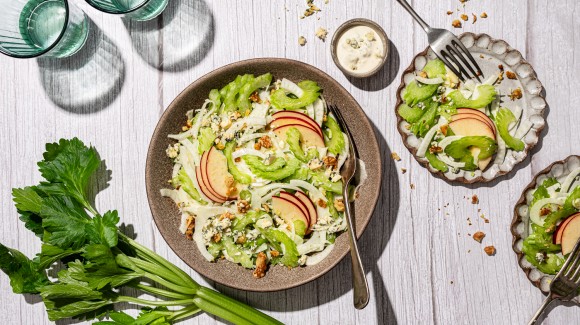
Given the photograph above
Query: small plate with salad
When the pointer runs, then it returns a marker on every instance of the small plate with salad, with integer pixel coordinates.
(546, 223)
(243, 174)
(474, 130)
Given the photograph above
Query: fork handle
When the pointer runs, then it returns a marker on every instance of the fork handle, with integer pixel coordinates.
(361, 294)
(541, 310)
(414, 14)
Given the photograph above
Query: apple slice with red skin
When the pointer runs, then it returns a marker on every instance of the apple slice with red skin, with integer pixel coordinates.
(290, 213)
(310, 137)
(216, 197)
(470, 126)
(283, 115)
(292, 198)
(570, 234)
(560, 230)
(203, 187)
(311, 208)
(280, 122)
(464, 112)
(216, 174)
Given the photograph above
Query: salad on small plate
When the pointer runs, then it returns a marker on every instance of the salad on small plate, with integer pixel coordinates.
(547, 220)
(256, 174)
(475, 129)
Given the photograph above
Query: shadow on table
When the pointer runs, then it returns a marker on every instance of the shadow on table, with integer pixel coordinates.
(178, 39)
(525, 163)
(384, 77)
(337, 282)
(87, 81)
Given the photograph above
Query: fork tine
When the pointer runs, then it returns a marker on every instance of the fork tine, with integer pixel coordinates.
(573, 265)
(456, 64)
(456, 52)
(469, 56)
(449, 65)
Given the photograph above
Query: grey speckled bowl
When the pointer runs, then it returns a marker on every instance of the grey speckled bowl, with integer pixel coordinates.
(159, 167)
(521, 223)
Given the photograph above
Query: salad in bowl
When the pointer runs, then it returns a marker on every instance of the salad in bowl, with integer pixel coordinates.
(546, 225)
(256, 174)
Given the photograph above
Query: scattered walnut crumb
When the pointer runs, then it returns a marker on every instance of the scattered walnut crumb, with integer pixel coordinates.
(230, 184)
(478, 236)
(301, 41)
(449, 12)
(510, 75)
(403, 170)
(261, 266)
(456, 23)
(395, 156)
(464, 17)
(266, 207)
(324, 118)
(412, 186)
(243, 206)
(516, 94)
(451, 282)
(474, 199)
(265, 142)
(474, 18)
(321, 203)
(330, 161)
(339, 205)
(217, 237)
(238, 159)
(483, 15)
(257, 146)
(321, 33)
(469, 221)
(489, 250)
(481, 56)
(500, 67)
(227, 215)
(422, 74)
(444, 128)
(274, 253)
(220, 146)
(486, 220)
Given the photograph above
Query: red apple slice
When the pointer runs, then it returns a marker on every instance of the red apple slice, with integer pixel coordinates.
(280, 122)
(203, 187)
(297, 202)
(309, 136)
(291, 213)
(296, 115)
(570, 234)
(217, 174)
(203, 171)
(469, 126)
(560, 230)
(311, 208)
(463, 112)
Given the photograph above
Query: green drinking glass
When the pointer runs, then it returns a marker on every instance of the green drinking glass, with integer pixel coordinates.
(33, 28)
(134, 9)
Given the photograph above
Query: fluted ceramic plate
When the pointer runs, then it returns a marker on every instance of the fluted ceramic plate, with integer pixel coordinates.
(489, 54)
(521, 223)
(159, 168)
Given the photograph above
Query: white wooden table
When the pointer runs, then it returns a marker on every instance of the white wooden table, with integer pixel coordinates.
(422, 266)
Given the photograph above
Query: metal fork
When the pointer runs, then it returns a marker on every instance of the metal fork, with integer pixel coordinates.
(448, 48)
(359, 281)
(564, 286)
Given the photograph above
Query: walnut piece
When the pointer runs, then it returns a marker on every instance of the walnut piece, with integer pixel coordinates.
(241, 239)
(516, 94)
(339, 205)
(301, 42)
(464, 17)
(483, 15)
(217, 237)
(261, 266)
(474, 199)
(274, 253)
(510, 75)
(255, 97)
(395, 156)
(489, 250)
(243, 206)
(190, 225)
(545, 211)
(330, 161)
(478, 236)
(321, 203)
(456, 23)
(265, 142)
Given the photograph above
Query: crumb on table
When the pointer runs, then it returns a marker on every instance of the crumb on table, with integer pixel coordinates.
(301, 40)
(474, 199)
(395, 156)
(510, 75)
(516, 94)
(456, 23)
(489, 250)
(478, 236)
(321, 33)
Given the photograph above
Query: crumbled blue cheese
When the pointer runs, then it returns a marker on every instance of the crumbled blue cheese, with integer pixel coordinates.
(252, 234)
(264, 222)
(315, 163)
(576, 203)
(540, 257)
(172, 151)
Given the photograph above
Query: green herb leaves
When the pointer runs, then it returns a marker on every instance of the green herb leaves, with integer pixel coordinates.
(23, 274)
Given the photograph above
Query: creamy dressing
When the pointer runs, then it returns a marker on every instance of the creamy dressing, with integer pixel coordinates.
(360, 49)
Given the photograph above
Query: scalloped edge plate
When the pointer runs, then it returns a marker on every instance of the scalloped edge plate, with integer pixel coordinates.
(520, 223)
(533, 103)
